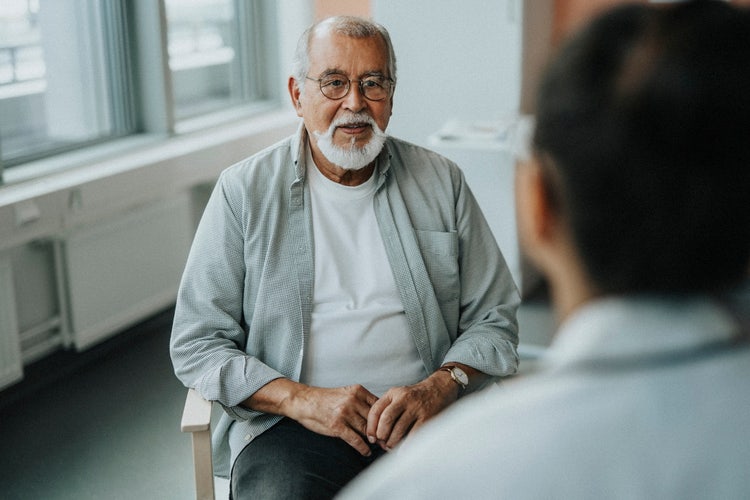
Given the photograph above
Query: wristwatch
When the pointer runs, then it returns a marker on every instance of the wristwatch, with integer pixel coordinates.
(458, 375)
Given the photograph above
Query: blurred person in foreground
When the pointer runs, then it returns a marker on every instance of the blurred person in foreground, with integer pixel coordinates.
(343, 286)
(635, 204)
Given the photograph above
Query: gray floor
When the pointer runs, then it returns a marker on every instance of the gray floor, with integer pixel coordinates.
(110, 429)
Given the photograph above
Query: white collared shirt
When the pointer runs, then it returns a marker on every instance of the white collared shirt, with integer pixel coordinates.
(580, 430)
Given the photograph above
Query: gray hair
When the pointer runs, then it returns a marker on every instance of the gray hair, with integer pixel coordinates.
(351, 26)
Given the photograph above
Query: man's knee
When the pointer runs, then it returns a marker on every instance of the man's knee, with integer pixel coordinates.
(289, 461)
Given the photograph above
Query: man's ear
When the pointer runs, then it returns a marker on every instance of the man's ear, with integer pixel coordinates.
(537, 219)
(294, 93)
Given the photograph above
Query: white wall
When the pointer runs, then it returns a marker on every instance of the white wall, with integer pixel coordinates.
(461, 61)
(456, 60)
(293, 18)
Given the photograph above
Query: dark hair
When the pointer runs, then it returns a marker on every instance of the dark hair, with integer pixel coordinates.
(643, 131)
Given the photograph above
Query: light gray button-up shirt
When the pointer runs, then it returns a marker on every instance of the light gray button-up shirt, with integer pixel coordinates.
(244, 305)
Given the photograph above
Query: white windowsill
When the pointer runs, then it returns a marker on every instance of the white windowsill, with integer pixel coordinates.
(132, 153)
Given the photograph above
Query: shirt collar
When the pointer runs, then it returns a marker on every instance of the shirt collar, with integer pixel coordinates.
(627, 327)
(298, 149)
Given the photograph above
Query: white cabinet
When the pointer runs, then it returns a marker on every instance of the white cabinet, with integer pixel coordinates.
(79, 284)
(11, 365)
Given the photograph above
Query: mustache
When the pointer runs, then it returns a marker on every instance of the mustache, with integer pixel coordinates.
(353, 119)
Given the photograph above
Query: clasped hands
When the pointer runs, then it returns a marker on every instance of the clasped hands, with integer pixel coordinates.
(354, 414)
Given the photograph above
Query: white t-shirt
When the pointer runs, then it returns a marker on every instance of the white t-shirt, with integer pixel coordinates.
(359, 333)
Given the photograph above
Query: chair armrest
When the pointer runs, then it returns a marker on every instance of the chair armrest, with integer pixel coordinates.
(197, 413)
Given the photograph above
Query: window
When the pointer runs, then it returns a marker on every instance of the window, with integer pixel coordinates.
(58, 88)
(78, 73)
(214, 54)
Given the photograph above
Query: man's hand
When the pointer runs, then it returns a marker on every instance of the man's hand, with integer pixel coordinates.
(404, 409)
(338, 412)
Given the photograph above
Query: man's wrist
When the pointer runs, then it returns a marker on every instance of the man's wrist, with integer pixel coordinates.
(278, 397)
(446, 384)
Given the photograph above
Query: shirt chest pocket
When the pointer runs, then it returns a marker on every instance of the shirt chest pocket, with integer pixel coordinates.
(440, 253)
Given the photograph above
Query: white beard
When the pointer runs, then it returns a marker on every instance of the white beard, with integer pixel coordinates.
(352, 158)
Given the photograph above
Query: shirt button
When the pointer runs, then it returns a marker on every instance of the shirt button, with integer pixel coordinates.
(248, 437)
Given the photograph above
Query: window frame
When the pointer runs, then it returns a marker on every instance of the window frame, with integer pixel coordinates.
(105, 39)
(146, 83)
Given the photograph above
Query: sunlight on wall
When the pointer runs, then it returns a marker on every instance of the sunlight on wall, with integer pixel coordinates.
(326, 8)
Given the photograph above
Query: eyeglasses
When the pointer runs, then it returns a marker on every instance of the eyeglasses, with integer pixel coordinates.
(373, 87)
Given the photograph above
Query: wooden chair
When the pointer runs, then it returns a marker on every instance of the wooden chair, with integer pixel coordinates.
(196, 419)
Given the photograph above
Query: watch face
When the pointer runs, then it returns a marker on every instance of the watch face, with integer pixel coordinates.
(461, 375)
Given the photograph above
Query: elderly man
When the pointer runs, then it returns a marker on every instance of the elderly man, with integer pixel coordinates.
(343, 286)
(635, 206)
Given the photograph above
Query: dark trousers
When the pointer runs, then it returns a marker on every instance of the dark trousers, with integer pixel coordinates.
(290, 462)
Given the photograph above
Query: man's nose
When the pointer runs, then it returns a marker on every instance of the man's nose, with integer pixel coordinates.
(355, 100)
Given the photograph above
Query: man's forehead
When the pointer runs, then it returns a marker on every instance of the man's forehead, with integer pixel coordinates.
(329, 51)
(334, 38)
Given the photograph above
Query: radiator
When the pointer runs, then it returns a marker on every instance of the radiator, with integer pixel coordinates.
(125, 268)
